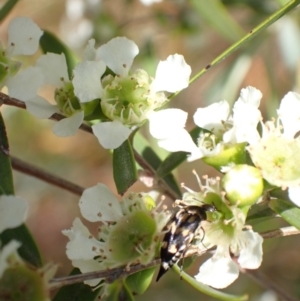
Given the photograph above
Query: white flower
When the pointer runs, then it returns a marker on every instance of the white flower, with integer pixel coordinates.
(168, 127)
(128, 233)
(127, 99)
(51, 69)
(224, 228)
(23, 39)
(13, 211)
(149, 2)
(277, 152)
(220, 270)
(224, 129)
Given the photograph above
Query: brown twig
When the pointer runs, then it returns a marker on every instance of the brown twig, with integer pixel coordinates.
(109, 275)
(5, 99)
(39, 173)
(286, 231)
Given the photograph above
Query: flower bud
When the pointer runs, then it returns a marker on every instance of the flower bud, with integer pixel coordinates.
(243, 185)
(230, 154)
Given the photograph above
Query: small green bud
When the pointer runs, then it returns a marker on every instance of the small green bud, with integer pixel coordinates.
(20, 283)
(243, 185)
(230, 154)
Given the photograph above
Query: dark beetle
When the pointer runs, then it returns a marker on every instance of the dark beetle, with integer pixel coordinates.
(182, 229)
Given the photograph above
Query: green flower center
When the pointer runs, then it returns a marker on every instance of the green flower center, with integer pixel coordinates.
(278, 159)
(128, 99)
(131, 236)
(69, 104)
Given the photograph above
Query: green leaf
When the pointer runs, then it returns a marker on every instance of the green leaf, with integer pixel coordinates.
(77, 291)
(206, 289)
(287, 210)
(260, 211)
(6, 183)
(216, 14)
(117, 291)
(28, 250)
(124, 168)
(6, 8)
(140, 281)
(50, 43)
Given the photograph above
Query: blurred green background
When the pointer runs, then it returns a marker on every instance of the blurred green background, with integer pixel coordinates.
(200, 30)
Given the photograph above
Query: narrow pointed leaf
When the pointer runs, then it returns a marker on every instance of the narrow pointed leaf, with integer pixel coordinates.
(28, 249)
(140, 281)
(216, 14)
(287, 210)
(6, 8)
(124, 167)
(6, 183)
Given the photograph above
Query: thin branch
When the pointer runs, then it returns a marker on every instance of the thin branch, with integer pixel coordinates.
(113, 274)
(5, 99)
(39, 173)
(286, 231)
(109, 275)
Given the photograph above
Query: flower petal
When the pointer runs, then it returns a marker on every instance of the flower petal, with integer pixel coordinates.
(218, 272)
(289, 114)
(246, 116)
(182, 141)
(68, 126)
(54, 68)
(172, 75)
(99, 204)
(89, 53)
(5, 252)
(213, 116)
(40, 107)
(251, 252)
(82, 246)
(294, 195)
(13, 211)
(149, 2)
(168, 127)
(111, 134)
(166, 123)
(23, 36)
(251, 96)
(87, 80)
(86, 266)
(25, 84)
(118, 54)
